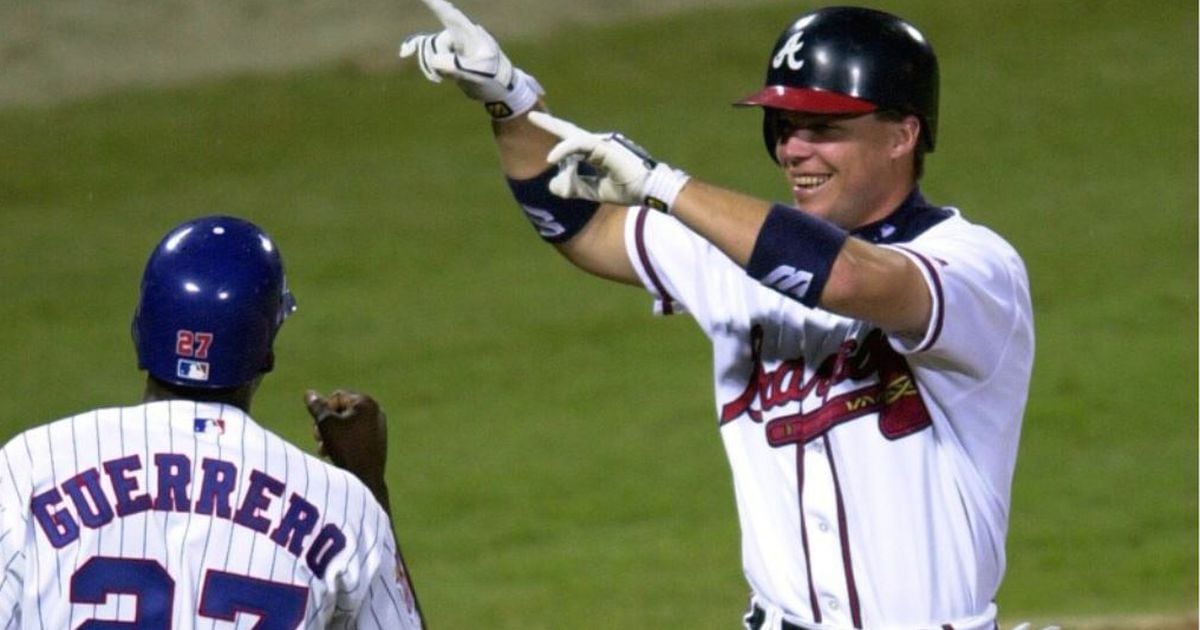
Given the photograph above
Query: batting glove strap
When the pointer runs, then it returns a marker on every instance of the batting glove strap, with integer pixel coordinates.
(520, 97)
(663, 186)
(794, 253)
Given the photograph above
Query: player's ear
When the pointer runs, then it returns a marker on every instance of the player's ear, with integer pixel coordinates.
(269, 361)
(906, 134)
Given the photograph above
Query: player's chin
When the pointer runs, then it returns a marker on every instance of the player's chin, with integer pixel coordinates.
(810, 197)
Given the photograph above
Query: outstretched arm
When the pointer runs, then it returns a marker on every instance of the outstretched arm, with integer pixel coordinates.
(799, 255)
(544, 157)
(589, 235)
(865, 281)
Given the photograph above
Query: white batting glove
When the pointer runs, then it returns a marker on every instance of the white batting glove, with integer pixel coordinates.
(627, 175)
(467, 53)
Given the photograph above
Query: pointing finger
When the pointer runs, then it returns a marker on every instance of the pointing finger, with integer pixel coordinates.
(449, 15)
(556, 126)
(410, 45)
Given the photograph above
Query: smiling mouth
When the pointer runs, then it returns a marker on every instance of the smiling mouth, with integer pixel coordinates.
(810, 182)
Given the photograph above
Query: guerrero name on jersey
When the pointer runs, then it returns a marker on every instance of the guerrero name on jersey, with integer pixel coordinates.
(183, 514)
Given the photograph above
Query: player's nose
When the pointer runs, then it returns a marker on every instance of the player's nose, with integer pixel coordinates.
(793, 146)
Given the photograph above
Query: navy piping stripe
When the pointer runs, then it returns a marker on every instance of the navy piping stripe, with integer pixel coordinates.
(644, 257)
(940, 302)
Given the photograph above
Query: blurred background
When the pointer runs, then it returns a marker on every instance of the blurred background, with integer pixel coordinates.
(554, 452)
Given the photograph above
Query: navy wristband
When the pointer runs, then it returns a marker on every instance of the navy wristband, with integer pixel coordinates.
(794, 253)
(555, 219)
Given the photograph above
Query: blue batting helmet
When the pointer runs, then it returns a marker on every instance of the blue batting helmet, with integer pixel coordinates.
(850, 60)
(213, 296)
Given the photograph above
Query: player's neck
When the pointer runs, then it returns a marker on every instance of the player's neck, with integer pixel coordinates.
(239, 397)
(888, 205)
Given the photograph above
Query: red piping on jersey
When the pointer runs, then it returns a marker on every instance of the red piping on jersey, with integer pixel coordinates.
(851, 586)
(939, 303)
(812, 592)
(644, 257)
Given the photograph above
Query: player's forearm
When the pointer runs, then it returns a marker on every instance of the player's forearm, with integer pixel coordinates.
(523, 146)
(728, 219)
(379, 490)
(596, 244)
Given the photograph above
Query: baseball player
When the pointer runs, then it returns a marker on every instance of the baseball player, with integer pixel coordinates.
(183, 511)
(871, 349)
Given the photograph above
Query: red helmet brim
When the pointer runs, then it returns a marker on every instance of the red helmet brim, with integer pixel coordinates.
(808, 100)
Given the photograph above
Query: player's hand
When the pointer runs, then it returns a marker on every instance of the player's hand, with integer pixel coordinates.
(351, 430)
(627, 175)
(468, 54)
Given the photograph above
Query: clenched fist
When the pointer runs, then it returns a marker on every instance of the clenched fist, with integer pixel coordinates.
(351, 430)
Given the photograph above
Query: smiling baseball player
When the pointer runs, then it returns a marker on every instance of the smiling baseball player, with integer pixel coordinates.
(183, 511)
(872, 350)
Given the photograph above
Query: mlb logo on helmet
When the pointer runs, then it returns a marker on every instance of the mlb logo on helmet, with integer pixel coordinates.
(192, 370)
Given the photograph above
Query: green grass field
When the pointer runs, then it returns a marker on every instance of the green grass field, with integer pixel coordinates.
(553, 450)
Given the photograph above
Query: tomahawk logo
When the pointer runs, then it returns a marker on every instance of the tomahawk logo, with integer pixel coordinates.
(788, 51)
(789, 280)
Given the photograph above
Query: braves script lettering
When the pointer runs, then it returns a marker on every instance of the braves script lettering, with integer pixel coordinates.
(893, 395)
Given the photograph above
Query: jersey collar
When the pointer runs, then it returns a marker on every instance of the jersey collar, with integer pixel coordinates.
(907, 222)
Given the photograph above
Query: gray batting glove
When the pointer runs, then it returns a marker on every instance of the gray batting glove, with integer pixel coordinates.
(626, 176)
(469, 55)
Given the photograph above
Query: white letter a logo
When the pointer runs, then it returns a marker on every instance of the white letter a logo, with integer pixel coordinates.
(787, 52)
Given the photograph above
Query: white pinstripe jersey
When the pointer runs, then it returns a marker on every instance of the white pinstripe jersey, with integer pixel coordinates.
(872, 473)
(176, 514)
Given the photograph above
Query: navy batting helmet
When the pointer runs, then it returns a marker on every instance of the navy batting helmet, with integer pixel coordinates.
(845, 60)
(213, 296)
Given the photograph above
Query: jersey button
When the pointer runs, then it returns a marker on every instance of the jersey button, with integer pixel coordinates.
(823, 526)
(833, 604)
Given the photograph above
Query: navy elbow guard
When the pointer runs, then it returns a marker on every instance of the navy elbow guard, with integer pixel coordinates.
(794, 253)
(555, 219)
